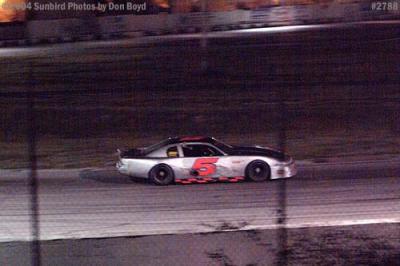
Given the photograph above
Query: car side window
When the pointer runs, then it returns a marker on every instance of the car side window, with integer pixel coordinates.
(197, 150)
(172, 152)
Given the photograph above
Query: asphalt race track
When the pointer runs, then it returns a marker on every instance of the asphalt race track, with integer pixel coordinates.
(95, 203)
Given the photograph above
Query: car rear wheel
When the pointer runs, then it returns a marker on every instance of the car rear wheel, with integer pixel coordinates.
(258, 171)
(161, 175)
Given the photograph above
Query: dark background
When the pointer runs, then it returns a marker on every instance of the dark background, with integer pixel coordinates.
(340, 87)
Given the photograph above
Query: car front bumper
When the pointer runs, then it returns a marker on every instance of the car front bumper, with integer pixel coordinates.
(284, 170)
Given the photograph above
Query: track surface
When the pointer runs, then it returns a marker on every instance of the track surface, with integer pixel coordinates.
(101, 203)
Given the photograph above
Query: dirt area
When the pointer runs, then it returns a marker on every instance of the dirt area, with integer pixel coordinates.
(86, 131)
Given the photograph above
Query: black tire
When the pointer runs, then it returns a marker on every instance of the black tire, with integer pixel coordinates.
(161, 175)
(258, 171)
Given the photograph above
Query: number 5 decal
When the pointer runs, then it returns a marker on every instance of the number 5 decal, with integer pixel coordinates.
(205, 166)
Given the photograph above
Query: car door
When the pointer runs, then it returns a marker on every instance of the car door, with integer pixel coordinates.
(203, 160)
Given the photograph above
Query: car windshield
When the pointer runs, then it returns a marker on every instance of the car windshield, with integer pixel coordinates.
(222, 146)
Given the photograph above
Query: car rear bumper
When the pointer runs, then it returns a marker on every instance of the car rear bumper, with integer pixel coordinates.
(122, 168)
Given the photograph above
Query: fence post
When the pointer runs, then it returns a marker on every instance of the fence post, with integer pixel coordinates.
(33, 181)
(282, 230)
(203, 39)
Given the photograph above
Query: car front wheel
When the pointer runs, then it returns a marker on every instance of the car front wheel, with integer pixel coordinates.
(258, 171)
(161, 175)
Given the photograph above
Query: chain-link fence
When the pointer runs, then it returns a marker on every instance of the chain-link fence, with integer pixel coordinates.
(326, 98)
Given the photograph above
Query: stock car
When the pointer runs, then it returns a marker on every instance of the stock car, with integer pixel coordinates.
(203, 159)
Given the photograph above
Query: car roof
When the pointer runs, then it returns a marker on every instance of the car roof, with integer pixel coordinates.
(183, 139)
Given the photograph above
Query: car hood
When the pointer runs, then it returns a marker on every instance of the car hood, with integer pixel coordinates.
(258, 151)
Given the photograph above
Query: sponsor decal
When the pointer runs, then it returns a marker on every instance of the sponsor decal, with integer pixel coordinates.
(205, 166)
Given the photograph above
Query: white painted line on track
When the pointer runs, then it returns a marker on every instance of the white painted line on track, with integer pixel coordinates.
(327, 224)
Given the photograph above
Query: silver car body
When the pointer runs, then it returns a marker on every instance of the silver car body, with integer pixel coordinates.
(223, 165)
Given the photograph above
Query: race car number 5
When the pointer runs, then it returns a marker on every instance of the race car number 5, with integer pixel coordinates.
(205, 166)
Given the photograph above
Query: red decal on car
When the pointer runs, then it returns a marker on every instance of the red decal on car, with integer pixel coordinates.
(205, 166)
(204, 180)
